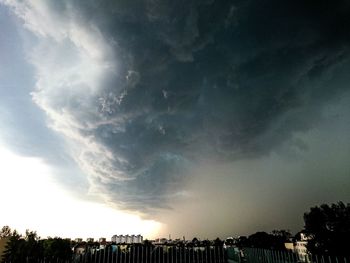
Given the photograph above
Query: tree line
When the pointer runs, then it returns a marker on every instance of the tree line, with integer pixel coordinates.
(327, 228)
(30, 248)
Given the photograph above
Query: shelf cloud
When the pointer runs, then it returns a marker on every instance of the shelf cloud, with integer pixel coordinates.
(145, 91)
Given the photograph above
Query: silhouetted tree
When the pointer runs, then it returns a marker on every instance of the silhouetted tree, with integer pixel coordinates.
(5, 232)
(57, 248)
(147, 243)
(285, 235)
(260, 240)
(265, 240)
(14, 249)
(279, 237)
(229, 241)
(195, 241)
(328, 227)
(242, 241)
(205, 243)
(31, 248)
(218, 242)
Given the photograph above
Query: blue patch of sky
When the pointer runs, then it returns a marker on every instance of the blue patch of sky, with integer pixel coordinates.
(23, 127)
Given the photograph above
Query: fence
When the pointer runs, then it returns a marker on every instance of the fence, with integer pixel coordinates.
(157, 254)
(173, 254)
(256, 255)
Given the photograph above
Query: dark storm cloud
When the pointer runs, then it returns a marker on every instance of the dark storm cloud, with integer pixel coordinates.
(224, 80)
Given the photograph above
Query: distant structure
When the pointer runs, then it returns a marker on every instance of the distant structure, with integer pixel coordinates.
(79, 249)
(128, 239)
(299, 246)
(102, 241)
(161, 241)
(90, 239)
(78, 240)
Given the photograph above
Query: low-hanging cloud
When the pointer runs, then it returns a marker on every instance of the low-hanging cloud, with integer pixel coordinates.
(143, 90)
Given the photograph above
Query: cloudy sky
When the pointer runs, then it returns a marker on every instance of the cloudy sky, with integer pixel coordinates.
(197, 118)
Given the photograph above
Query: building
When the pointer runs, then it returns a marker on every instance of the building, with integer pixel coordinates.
(90, 239)
(137, 239)
(79, 249)
(161, 241)
(117, 239)
(289, 246)
(78, 240)
(127, 239)
(300, 247)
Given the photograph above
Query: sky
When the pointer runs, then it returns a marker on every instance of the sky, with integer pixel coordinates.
(190, 118)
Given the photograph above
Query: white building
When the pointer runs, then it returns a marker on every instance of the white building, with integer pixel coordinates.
(128, 239)
(115, 239)
(300, 247)
(138, 239)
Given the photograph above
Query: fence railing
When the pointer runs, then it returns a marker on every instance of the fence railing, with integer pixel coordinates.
(174, 254)
(256, 255)
(157, 254)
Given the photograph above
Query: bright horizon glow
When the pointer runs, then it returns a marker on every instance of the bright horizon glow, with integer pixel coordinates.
(35, 202)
